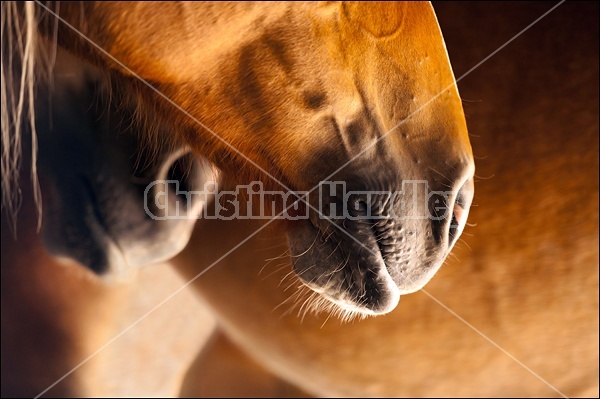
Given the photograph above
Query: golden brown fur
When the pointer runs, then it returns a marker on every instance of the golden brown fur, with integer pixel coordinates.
(238, 44)
(525, 275)
(269, 95)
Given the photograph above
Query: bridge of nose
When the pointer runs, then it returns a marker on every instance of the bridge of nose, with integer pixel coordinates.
(401, 49)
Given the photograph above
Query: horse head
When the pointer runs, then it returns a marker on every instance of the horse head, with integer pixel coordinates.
(352, 104)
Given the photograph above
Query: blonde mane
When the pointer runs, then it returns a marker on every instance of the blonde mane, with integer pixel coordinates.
(19, 55)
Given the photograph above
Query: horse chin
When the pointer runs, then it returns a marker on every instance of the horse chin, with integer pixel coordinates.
(352, 279)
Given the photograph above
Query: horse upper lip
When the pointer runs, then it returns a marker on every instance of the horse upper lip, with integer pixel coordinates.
(344, 237)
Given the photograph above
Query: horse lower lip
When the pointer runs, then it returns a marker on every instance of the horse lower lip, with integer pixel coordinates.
(349, 272)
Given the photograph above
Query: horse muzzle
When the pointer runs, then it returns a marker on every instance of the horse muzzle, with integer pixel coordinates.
(95, 174)
(365, 247)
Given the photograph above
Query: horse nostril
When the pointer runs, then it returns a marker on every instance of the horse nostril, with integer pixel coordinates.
(455, 224)
(460, 211)
(181, 170)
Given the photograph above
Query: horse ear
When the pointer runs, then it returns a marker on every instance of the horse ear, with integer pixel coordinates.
(378, 18)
